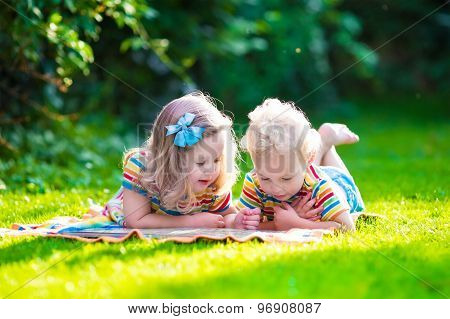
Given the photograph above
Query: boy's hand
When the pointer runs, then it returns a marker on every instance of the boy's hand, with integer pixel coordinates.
(247, 218)
(304, 206)
(285, 217)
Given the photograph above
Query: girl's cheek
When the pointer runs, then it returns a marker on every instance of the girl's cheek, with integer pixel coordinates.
(194, 172)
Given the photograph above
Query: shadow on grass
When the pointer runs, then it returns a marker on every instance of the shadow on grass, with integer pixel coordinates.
(135, 249)
(26, 249)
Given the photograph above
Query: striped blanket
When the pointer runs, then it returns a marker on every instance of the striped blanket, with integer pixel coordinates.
(102, 228)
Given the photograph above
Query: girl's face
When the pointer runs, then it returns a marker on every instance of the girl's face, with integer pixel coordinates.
(281, 174)
(204, 162)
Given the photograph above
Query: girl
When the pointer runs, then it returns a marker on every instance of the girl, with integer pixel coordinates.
(182, 176)
(287, 154)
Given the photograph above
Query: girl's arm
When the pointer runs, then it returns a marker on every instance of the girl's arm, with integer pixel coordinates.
(137, 210)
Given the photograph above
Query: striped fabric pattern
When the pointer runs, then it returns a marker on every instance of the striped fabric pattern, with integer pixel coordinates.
(132, 168)
(316, 181)
(207, 201)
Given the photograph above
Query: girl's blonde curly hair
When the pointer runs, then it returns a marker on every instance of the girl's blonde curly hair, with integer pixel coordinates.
(164, 174)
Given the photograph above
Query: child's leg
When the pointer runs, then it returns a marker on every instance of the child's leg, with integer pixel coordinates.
(331, 136)
(332, 158)
(336, 134)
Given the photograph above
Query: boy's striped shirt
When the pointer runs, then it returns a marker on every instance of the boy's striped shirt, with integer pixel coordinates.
(316, 181)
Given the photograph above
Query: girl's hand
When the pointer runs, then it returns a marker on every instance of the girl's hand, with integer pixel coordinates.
(205, 220)
(247, 218)
(304, 206)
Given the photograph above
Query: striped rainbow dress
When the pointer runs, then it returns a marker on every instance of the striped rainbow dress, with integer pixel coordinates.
(207, 201)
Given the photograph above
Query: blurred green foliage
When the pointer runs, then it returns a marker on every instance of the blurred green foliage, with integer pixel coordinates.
(77, 76)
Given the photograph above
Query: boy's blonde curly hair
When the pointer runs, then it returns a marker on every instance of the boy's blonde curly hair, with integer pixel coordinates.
(280, 126)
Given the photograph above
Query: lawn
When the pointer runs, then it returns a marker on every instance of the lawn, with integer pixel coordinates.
(400, 165)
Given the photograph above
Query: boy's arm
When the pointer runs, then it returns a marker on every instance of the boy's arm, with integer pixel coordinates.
(346, 221)
(286, 218)
(344, 218)
(334, 202)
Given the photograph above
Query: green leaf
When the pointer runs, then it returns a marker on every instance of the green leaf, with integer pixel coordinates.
(55, 18)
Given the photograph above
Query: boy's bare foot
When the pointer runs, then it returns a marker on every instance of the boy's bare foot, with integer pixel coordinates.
(337, 134)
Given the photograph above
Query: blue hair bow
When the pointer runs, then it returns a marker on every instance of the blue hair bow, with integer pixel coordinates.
(185, 134)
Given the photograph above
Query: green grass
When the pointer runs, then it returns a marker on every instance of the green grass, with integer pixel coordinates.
(401, 167)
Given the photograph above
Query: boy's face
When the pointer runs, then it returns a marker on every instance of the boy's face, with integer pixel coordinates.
(281, 174)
